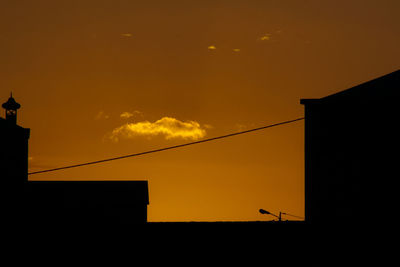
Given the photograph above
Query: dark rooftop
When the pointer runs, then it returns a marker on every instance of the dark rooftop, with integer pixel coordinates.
(384, 87)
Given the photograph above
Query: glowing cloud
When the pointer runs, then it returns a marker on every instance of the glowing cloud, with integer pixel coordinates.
(168, 127)
(211, 47)
(236, 50)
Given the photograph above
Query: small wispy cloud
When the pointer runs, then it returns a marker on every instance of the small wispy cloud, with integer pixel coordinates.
(126, 35)
(37, 163)
(265, 37)
(101, 115)
(211, 47)
(240, 127)
(126, 115)
(168, 127)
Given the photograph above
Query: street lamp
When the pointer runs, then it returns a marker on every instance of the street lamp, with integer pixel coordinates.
(269, 213)
(262, 211)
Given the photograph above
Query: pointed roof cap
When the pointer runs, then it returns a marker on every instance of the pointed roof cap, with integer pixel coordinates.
(11, 104)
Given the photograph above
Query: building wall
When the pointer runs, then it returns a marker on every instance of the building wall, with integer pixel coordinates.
(13, 169)
(13, 152)
(87, 202)
(351, 157)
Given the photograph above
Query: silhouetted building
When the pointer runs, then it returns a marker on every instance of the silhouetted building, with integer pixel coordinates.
(94, 202)
(352, 153)
(13, 161)
(13, 146)
(60, 202)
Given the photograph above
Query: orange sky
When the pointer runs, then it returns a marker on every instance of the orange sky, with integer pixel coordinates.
(182, 71)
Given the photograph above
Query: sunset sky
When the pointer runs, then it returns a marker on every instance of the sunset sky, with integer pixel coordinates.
(103, 78)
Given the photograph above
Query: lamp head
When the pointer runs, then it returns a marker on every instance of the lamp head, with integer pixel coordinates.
(264, 211)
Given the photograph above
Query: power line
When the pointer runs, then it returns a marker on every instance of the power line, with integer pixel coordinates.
(299, 217)
(165, 148)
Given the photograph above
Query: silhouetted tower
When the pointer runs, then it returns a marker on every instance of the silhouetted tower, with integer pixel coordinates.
(11, 107)
(13, 164)
(13, 146)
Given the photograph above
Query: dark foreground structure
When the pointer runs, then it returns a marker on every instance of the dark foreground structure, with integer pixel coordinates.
(351, 157)
(351, 171)
(60, 202)
(87, 202)
(352, 154)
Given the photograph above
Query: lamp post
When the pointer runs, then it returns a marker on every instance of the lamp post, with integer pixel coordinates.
(269, 213)
(262, 211)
